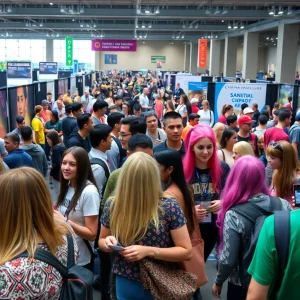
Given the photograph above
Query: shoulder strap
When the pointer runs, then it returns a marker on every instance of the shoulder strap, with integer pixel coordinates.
(282, 242)
(98, 161)
(223, 155)
(276, 203)
(250, 211)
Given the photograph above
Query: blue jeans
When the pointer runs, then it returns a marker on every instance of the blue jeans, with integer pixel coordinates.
(131, 290)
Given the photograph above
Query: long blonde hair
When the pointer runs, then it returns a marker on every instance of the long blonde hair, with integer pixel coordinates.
(284, 178)
(136, 203)
(26, 212)
(2, 167)
(217, 130)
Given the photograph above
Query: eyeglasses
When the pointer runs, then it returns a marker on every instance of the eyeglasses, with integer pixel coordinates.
(276, 146)
(122, 136)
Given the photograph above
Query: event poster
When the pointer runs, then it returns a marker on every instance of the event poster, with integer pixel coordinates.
(285, 91)
(236, 94)
(18, 69)
(21, 103)
(110, 59)
(63, 86)
(197, 90)
(3, 113)
(48, 68)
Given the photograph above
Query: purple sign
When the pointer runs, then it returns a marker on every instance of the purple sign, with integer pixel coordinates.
(114, 45)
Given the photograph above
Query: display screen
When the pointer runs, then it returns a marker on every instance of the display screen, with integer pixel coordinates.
(16, 70)
(48, 68)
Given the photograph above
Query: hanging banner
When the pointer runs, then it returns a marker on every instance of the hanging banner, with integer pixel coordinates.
(75, 66)
(202, 53)
(236, 94)
(114, 45)
(156, 58)
(69, 51)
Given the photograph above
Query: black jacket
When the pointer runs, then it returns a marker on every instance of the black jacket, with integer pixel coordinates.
(57, 153)
(76, 140)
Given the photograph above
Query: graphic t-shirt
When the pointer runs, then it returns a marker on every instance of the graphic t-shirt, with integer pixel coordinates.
(171, 219)
(88, 205)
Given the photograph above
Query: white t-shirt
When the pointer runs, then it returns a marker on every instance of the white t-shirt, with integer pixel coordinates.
(88, 205)
(206, 117)
(181, 109)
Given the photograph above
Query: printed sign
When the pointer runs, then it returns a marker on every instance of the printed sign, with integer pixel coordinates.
(156, 58)
(202, 53)
(285, 91)
(20, 69)
(48, 68)
(114, 45)
(75, 65)
(236, 94)
(110, 59)
(197, 90)
(69, 51)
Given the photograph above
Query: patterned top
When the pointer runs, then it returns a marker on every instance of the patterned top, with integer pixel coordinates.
(23, 278)
(172, 218)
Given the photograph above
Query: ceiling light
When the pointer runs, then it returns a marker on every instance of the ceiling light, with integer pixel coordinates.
(217, 11)
(81, 10)
(229, 25)
(94, 25)
(274, 44)
(47, 34)
(280, 11)
(157, 11)
(150, 25)
(62, 10)
(222, 21)
(225, 11)
(235, 26)
(242, 26)
(8, 10)
(182, 36)
(140, 36)
(87, 25)
(138, 11)
(183, 26)
(216, 36)
(143, 25)
(208, 12)
(135, 36)
(268, 38)
(137, 26)
(51, 3)
(147, 10)
(57, 35)
(7, 34)
(41, 24)
(73, 20)
(33, 25)
(196, 26)
(277, 38)
(290, 11)
(173, 36)
(272, 11)
(191, 26)
(81, 25)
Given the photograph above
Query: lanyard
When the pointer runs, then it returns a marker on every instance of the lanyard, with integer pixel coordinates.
(205, 183)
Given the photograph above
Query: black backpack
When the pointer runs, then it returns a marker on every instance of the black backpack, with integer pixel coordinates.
(77, 280)
(256, 215)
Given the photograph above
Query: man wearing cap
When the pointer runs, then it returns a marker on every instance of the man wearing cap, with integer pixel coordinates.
(244, 133)
(249, 112)
(294, 135)
(46, 113)
(194, 104)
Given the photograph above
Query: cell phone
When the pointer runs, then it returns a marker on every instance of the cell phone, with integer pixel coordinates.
(297, 194)
(116, 247)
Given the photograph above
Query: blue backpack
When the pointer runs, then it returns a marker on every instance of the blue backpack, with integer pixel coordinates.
(77, 280)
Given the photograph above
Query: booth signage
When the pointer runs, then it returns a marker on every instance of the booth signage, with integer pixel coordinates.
(202, 53)
(69, 51)
(48, 68)
(236, 94)
(114, 45)
(18, 69)
(156, 58)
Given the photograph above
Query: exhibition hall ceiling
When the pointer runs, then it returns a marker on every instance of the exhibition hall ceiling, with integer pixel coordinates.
(186, 20)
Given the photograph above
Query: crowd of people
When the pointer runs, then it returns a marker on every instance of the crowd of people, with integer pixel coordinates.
(145, 179)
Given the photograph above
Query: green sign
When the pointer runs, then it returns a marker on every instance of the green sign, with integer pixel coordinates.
(2, 66)
(156, 58)
(69, 51)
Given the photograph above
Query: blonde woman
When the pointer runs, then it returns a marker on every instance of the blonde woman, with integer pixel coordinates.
(143, 221)
(206, 115)
(218, 130)
(3, 166)
(27, 223)
(241, 149)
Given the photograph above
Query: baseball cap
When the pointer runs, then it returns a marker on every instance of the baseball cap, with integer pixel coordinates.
(297, 117)
(19, 119)
(248, 110)
(194, 100)
(45, 102)
(244, 120)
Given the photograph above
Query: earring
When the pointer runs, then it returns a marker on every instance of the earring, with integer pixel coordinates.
(169, 180)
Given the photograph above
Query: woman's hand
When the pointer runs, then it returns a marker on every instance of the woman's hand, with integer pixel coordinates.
(110, 240)
(135, 253)
(200, 212)
(216, 290)
(214, 207)
(59, 216)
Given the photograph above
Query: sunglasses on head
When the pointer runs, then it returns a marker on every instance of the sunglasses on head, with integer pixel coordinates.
(276, 146)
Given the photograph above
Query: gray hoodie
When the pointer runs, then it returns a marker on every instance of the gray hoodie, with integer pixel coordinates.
(38, 157)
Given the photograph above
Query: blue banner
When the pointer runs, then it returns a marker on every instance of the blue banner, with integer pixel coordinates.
(198, 86)
(75, 63)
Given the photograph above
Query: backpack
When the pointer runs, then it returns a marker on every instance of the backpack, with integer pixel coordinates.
(256, 215)
(77, 280)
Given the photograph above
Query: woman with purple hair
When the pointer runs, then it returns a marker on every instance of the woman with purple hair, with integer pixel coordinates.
(246, 185)
(207, 175)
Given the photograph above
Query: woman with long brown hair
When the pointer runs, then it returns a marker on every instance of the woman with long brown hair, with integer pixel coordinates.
(79, 201)
(282, 158)
(27, 223)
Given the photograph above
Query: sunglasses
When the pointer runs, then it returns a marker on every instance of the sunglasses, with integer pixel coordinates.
(276, 146)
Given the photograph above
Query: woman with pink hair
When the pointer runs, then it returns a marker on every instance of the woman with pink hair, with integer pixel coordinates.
(207, 175)
(245, 198)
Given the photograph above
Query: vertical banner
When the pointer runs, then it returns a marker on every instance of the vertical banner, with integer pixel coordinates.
(75, 70)
(69, 51)
(202, 53)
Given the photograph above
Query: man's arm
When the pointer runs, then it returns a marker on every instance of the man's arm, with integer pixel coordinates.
(257, 291)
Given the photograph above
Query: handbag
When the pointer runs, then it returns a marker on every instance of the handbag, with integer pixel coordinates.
(166, 281)
(196, 265)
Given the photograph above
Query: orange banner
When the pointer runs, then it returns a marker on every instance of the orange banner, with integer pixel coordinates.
(202, 53)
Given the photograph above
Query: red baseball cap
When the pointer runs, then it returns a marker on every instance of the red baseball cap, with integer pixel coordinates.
(244, 120)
